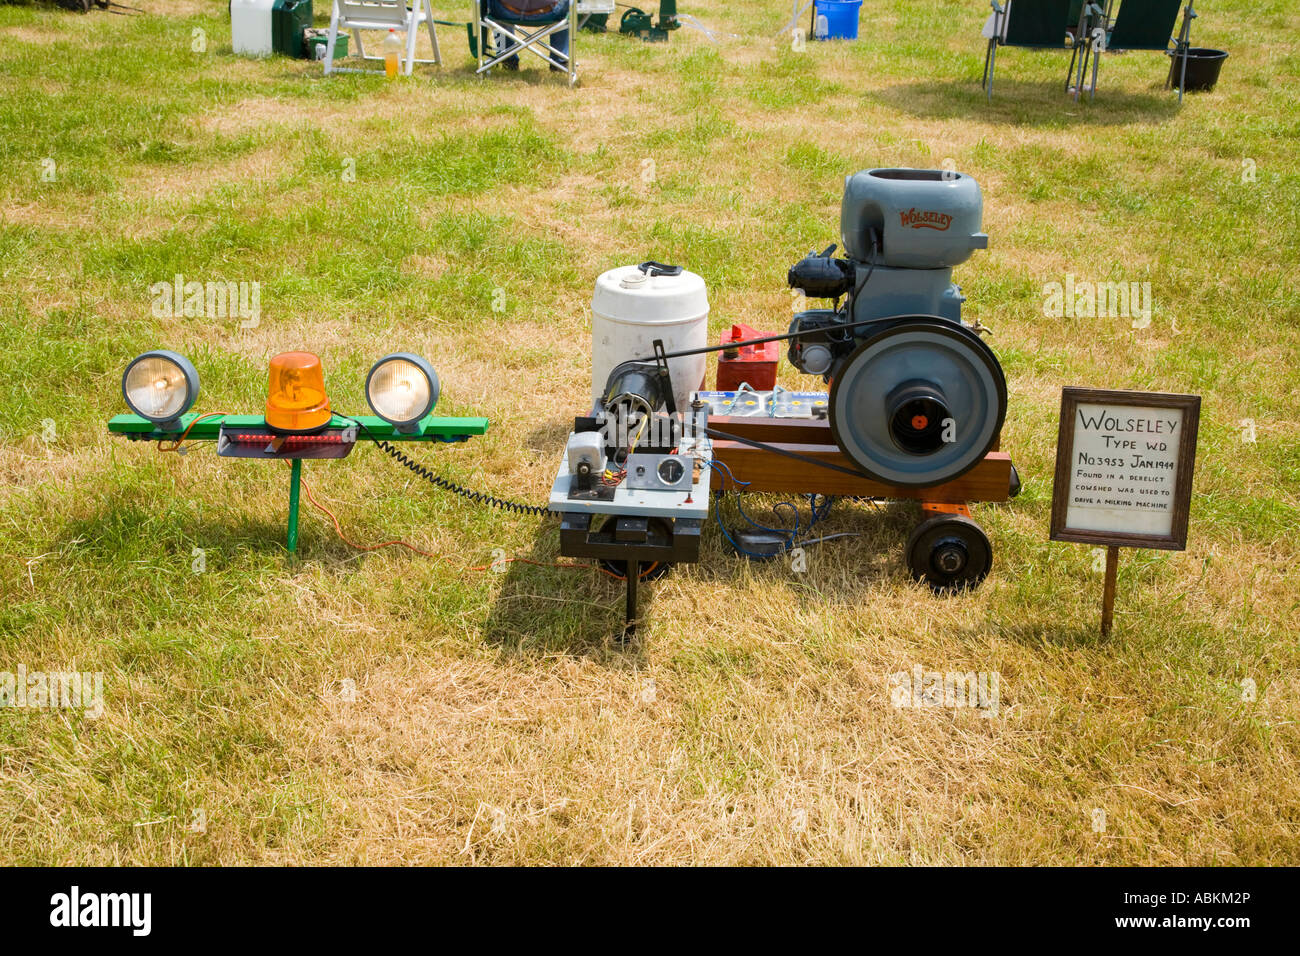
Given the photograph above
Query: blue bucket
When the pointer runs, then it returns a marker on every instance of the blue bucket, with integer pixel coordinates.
(841, 18)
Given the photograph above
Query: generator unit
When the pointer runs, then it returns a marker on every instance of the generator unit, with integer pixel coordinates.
(913, 410)
(632, 489)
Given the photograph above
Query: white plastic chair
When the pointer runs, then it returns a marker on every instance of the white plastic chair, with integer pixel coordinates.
(385, 15)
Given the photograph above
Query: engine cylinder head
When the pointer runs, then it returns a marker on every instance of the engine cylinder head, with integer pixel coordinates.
(926, 218)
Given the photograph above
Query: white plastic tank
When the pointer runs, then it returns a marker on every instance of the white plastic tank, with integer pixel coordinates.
(250, 26)
(631, 307)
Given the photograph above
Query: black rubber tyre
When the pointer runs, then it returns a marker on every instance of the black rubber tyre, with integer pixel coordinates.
(619, 568)
(659, 569)
(950, 553)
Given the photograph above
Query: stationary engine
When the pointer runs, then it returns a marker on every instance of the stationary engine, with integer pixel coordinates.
(916, 396)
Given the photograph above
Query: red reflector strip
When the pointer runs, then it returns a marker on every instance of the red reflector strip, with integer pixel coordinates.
(252, 438)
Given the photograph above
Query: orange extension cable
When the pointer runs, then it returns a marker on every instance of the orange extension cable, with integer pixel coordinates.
(185, 434)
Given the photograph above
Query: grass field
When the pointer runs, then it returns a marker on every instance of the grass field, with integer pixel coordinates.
(494, 718)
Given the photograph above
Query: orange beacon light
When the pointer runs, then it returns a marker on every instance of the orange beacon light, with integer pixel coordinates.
(296, 403)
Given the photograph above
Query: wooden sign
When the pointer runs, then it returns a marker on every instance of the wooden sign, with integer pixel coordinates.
(1124, 465)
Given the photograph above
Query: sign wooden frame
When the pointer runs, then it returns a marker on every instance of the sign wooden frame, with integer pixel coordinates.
(1071, 398)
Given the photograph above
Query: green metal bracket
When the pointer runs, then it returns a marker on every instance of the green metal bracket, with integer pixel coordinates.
(295, 481)
(208, 428)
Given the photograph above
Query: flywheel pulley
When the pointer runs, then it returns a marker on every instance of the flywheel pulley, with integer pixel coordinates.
(918, 403)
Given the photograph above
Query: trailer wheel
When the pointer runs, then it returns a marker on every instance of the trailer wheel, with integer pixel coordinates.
(649, 572)
(950, 553)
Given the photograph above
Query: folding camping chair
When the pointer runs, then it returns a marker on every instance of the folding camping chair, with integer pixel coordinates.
(1148, 25)
(385, 15)
(1090, 38)
(1036, 24)
(509, 27)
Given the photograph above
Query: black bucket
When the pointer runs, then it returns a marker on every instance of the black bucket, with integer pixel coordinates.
(1203, 67)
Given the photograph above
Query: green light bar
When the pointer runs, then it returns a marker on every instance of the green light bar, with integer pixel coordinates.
(431, 427)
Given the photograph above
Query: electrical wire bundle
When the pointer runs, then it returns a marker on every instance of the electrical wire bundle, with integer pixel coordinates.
(477, 497)
(819, 506)
(614, 476)
(819, 511)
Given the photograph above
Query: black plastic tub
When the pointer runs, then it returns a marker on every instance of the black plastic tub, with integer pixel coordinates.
(1203, 65)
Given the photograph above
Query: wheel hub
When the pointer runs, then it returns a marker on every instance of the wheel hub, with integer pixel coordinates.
(950, 556)
(918, 413)
(949, 552)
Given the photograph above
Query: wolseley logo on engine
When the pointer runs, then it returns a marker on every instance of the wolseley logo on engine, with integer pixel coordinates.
(924, 219)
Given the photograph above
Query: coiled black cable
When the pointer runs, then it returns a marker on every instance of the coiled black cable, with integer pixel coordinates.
(477, 497)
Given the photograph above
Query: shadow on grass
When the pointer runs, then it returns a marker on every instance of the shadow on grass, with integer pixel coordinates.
(1022, 103)
(528, 74)
(127, 530)
(836, 571)
(548, 439)
(541, 610)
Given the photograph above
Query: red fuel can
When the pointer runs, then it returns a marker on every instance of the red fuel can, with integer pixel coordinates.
(754, 364)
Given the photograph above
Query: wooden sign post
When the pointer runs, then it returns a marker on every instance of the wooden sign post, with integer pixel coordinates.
(1124, 465)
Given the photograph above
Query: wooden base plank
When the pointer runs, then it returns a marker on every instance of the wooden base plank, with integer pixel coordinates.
(765, 471)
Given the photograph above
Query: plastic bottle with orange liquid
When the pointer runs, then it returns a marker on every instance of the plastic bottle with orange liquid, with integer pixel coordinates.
(392, 53)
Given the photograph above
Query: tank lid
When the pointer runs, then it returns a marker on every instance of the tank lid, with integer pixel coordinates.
(630, 294)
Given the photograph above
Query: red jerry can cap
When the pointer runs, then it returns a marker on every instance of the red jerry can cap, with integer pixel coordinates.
(767, 352)
(752, 365)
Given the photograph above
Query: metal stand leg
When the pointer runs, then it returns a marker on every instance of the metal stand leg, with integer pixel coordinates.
(633, 578)
(1181, 48)
(1096, 62)
(1083, 67)
(295, 479)
(333, 38)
